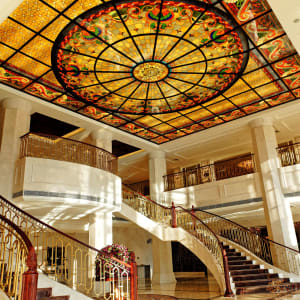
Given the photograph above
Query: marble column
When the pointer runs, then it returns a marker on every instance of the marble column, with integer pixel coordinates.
(157, 169)
(277, 209)
(102, 138)
(162, 262)
(14, 123)
(100, 230)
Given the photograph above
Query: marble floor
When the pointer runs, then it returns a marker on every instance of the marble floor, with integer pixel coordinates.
(201, 288)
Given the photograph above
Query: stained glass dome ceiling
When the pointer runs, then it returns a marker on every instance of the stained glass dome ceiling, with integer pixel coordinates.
(150, 57)
(157, 69)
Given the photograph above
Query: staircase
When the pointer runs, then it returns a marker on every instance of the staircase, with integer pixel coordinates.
(46, 294)
(209, 229)
(249, 278)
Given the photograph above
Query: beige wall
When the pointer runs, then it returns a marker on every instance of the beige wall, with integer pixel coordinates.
(135, 238)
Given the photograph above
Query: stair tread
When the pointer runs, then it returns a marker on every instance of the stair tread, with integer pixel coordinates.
(56, 298)
(248, 271)
(254, 276)
(284, 284)
(261, 282)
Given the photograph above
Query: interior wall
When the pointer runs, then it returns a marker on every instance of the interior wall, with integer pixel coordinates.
(136, 239)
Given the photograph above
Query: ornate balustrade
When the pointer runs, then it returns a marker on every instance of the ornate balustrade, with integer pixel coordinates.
(289, 155)
(219, 170)
(18, 273)
(77, 265)
(58, 148)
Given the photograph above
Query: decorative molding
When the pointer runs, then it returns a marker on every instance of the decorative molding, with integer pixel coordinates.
(59, 195)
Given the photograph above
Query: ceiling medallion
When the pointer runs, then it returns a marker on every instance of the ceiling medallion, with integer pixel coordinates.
(149, 57)
(150, 71)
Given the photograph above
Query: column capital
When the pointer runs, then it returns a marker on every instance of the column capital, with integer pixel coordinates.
(157, 154)
(259, 122)
(17, 103)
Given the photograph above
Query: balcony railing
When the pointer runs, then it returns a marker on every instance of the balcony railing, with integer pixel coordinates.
(289, 155)
(237, 166)
(58, 148)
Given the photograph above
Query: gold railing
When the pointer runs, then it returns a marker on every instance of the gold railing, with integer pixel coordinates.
(289, 155)
(58, 148)
(17, 262)
(74, 263)
(237, 166)
(147, 207)
(278, 255)
(180, 217)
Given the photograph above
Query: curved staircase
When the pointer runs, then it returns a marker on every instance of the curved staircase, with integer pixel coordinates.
(272, 267)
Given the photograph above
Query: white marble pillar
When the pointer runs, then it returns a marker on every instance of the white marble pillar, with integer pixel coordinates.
(157, 169)
(277, 209)
(100, 230)
(14, 122)
(102, 138)
(162, 262)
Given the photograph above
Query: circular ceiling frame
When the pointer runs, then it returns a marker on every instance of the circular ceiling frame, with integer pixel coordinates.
(158, 71)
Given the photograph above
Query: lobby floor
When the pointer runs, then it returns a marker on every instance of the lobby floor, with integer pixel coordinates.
(201, 288)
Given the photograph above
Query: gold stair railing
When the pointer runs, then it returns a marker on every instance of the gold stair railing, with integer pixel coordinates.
(77, 265)
(18, 273)
(180, 217)
(278, 255)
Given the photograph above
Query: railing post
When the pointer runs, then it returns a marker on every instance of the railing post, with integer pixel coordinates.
(228, 291)
(173, 212)
(193, 218)
(30, 277)
(133, 277)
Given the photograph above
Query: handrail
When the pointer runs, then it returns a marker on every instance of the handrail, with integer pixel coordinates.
(281, 256)
(186, 220)
(65, 149)
(71, 261)
(237, 166)
(289, 154)
(14, 280)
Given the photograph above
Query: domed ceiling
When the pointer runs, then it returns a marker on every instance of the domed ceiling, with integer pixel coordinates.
(157, 69)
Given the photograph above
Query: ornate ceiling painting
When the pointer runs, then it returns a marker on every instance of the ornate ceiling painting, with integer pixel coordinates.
(159, 70)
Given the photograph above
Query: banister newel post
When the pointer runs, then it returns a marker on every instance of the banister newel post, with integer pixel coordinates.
(193, 217)
(174, 220)
(30, 277)
(228, 291)
(133, 277)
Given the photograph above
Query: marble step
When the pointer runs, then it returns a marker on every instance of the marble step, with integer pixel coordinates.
(272, 288)
(240, 262)
(46, 294)
(260, 282)
(255, 276)
(248, 271)
(43, 293)
(233, 254)
(236, 257)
